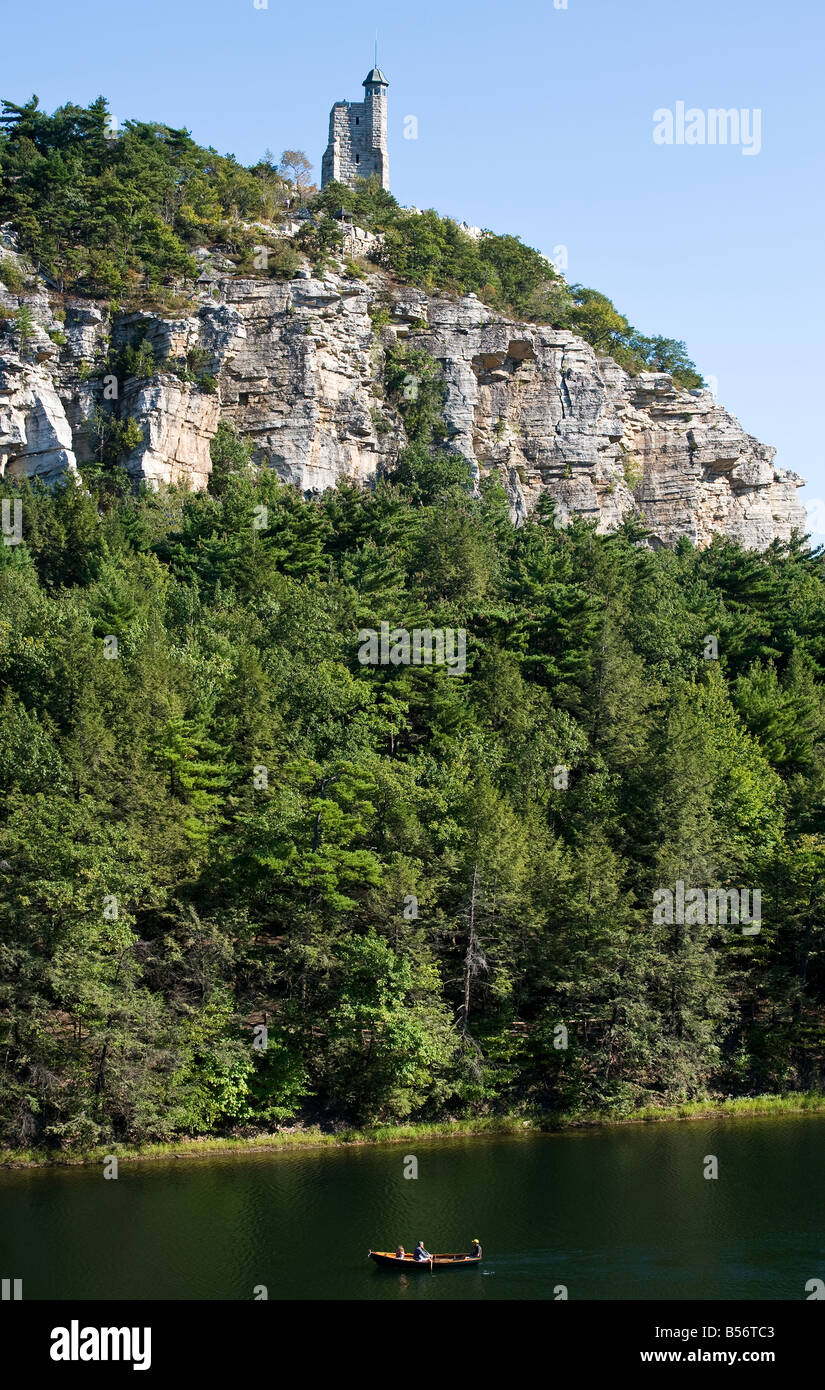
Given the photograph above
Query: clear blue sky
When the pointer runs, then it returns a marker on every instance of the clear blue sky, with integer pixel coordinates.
(532, 120)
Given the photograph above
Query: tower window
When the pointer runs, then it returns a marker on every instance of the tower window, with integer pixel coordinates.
(358, 159)
(357, 120)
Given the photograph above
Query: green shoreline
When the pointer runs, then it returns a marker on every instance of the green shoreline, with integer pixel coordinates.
(807, 1102)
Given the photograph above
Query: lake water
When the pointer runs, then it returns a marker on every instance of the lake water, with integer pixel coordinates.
(611, 1214)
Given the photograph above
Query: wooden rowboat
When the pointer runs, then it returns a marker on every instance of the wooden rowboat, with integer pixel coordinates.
(387, 1260)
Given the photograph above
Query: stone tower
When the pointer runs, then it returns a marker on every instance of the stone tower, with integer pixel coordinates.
(358, 136)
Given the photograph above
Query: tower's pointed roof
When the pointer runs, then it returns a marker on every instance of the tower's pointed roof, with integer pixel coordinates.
(376, 75)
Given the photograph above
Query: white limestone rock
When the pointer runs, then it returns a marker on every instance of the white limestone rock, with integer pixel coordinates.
(179, 423)
(303, 384)
(537, 406)
(35, 436)
(85, 329)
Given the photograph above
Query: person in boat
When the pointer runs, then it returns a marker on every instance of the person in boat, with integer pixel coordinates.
(476, 1250)
(420, 1253)
(399, 1252)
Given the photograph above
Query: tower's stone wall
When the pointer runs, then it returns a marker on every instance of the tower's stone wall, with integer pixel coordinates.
(358, 139)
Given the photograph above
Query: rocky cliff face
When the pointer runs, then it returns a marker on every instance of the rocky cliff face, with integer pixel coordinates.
(296, 367)
(538, 406)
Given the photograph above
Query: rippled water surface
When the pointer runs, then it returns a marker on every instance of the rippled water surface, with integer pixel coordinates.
(610, 1213)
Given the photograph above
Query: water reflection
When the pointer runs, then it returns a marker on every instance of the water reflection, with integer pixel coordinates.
(613, 1214)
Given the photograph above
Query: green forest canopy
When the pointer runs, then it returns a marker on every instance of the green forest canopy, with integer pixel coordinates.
(412, 879)
(118, 215)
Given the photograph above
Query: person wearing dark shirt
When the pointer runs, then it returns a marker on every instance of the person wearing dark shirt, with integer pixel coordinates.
(420, 1253)
(476, 1250)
